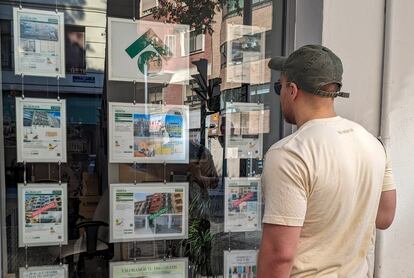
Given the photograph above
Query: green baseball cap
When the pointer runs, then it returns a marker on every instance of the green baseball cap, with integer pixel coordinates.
(311, 67)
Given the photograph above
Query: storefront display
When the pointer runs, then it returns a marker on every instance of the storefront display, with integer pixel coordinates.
(150, 211)
(42, 214)
(122, 125)
(41, 130)
(242, 205)
(148, 133)
(39, 42)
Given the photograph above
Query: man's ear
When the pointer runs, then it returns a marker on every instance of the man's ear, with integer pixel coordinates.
(293, 90)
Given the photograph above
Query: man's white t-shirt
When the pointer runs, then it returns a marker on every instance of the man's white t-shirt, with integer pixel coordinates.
(327, 177)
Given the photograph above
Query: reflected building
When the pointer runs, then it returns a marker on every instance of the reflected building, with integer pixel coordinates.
(153, 203)
(177, 202)
(39, 201)
(141, 127)
(42, 118)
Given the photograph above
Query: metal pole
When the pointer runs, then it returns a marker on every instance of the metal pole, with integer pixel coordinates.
(247, 21)
(3, 250)
(203, 123)
(245, 87)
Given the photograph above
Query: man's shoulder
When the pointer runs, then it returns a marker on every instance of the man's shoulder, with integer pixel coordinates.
(327, 130)
(316, 133)
(300, 137)
(279, 145)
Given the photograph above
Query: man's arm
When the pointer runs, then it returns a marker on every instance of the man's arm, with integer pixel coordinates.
(277, 250)
(285, 190)
(388, 200)
(386, 209)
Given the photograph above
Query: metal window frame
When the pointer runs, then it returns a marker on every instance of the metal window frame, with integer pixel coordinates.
(3, 251)
(289, 28)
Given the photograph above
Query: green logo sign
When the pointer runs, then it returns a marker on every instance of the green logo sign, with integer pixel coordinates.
(152, 59)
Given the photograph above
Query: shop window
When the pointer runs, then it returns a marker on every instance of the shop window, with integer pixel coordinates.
(89, 173)
(75, 50)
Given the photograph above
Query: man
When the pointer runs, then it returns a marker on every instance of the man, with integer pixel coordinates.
(328, 185)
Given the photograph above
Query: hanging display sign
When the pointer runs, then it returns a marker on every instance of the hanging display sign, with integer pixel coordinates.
(39, 42)
(148, 51)
(47, 271)
(240, 263)
(242, 205)
(150, 211)
(174, 268)
(245, 54)
(148, 133)
(41, 130)
(42, 214)
(244, 130)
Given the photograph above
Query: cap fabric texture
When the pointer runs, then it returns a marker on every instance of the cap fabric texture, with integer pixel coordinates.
(311, 67)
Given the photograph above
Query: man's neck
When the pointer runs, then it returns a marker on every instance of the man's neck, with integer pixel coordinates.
(313, 115)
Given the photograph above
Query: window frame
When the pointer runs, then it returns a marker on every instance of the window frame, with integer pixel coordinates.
(146, 12)
(9, 36)
(173, 50)
(203, 43)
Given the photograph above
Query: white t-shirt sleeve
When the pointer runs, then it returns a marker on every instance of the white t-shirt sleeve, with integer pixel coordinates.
(285, 180)
(388, 183)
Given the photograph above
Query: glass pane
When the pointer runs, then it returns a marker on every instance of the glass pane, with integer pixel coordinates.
(134, 134)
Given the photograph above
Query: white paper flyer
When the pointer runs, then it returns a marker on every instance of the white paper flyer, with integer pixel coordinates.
(242, 205)
(47, 271)
(244, 130)
(240, 263)
(172, 268)
(42, 214)
(39, 42)
(148, 133)
(41, 130)
(245, 54)
(148, 211)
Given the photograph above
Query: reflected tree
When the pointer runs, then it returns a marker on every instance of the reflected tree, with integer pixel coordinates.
(198, 14)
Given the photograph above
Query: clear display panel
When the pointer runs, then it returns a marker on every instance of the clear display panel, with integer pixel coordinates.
(133, 136)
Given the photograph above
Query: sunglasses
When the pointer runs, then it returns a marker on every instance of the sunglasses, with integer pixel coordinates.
(277, 87)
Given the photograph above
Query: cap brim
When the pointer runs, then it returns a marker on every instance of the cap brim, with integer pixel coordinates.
(277, 63)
